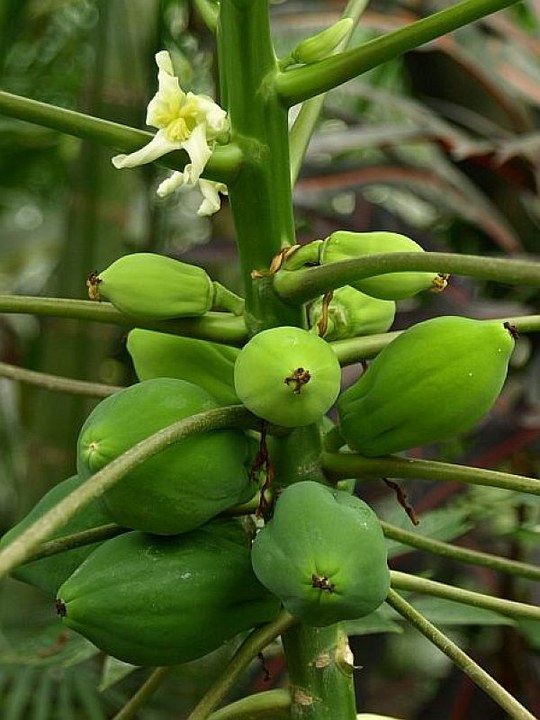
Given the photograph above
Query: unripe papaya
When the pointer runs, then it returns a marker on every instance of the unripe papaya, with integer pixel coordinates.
(323, 554)
(434, 381)
(352, 313)
(49, 573)
(207, 364)
(180, 487)
(287, 376)
(344, 245)
(319, 46)
(159, 601)
(153, 287)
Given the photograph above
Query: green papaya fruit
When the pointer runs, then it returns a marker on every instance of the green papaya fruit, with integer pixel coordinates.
(153, 287)
(207, 364)
(319, 46)
(180, 487)
(323, 554)
(50, 572)
(287, 376)
(434, 381)
(352, 313)
(344, 245)
(157, 601)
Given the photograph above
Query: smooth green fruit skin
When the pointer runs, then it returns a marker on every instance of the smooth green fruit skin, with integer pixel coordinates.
(153, 287)
(273, 355)
(434, 381)
(50, 572)
(344, 245)
(164, 601)
(207, 364)
(352, 313)
(323, 533)
(180, 487)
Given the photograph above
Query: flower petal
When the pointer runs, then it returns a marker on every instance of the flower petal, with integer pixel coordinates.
(212, 202)
(199, 153)
(158, 146)
(172, 183)
(165, 106)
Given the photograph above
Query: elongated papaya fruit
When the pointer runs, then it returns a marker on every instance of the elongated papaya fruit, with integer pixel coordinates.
(344, 245)
(164, 601)
(180, 487)
(323, 554)
(287, 376)
(351, 313)
(50, 572)
(207, 364)
(153, 287)
(434, 381)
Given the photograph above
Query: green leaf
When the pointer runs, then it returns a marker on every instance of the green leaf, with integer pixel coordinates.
(380, 621)
(113, 671)
(52, 646)
(445, 524)
(447, 612)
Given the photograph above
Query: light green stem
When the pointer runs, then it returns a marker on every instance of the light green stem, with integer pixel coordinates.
(250, 648)
(340, 466)
(75, 540)
(222, 166)
(143, 694)
(299, 286)
(215, 326)
(478, 675)
(271, 704)
(461, 554)
(208, 10)
(20, 549)
(509, 608)
(298, 84)
(225, 299)
(57, 383)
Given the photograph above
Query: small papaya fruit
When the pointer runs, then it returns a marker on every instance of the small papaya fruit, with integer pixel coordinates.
(156, 601)
(344, 245)
(153, 287)
(49, 573)
(180, 487)
(207, 364)
(319, 46)
(287, 376)
(323, 554)
(434, 381)
(351, 313)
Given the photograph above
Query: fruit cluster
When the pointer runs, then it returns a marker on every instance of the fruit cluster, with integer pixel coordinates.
(183, 579)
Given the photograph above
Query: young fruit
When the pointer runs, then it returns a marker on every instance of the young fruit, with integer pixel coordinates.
(180, 487)
(207, 364)
(434, 381)
(319, 46)
(343, 245)
(49, 573)
(352, 313)
(287, 376)
(323, 554)
(153, 287)
(164, 601)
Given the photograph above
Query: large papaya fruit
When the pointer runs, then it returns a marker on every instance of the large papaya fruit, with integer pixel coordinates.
(344, 245)
(207, 364)
(287, 376)
(434, 381)
(351, 313)
(323, 554)
(163, 601)
(180, 487)
(50, 572)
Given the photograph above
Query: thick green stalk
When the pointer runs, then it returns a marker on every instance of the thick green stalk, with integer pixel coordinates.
(57, 383)
(299, 84)
(299, 286)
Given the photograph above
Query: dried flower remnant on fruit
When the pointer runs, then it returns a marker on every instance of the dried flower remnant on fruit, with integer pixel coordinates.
(92, 283)
(298, 379)
(322, 583)
(185, 121)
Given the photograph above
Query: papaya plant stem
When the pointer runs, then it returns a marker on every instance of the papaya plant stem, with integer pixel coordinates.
(215, 326)
(19, 550)
(57, 383)
(143, 694)
(226, 299)
(299, 286)
(248, 650)
(209, 13)
(478, 675)
(509, 608)
(273, 704)
(472, 557)
(75, 540)
(340, 466)
(222, 166)
(298, 84)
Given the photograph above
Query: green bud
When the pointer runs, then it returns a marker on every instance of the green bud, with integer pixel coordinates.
(323, 43)
(352, 313)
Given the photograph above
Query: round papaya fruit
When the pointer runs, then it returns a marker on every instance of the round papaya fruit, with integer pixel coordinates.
(323, 554)
(180, 487)
(287, 376)
(157, 601)
(434, 381)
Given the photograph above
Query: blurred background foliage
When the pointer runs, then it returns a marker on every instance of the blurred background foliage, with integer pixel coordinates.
(442, 145)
